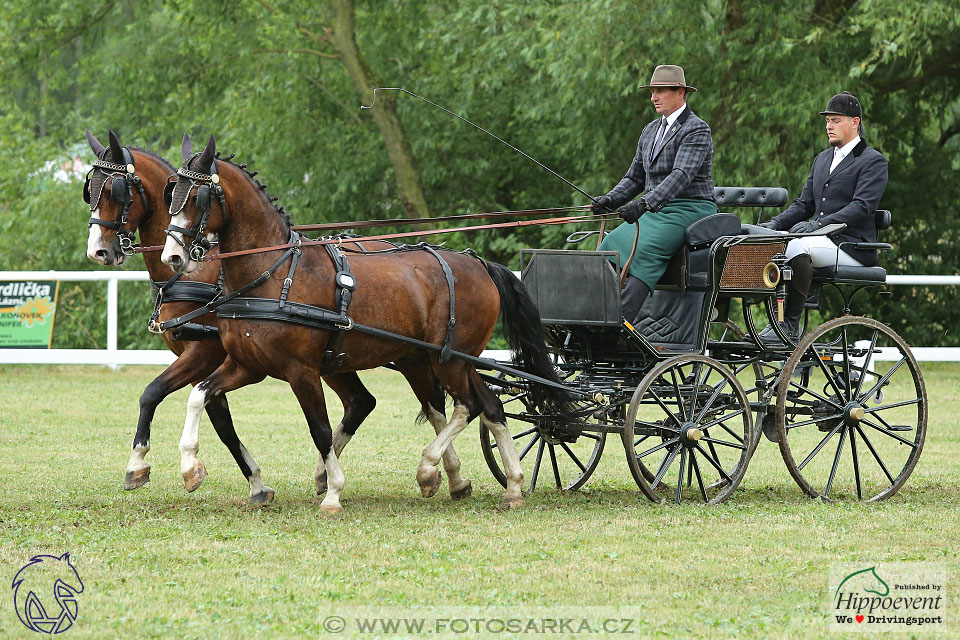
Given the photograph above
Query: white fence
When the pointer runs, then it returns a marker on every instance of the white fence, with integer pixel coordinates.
(112, 356)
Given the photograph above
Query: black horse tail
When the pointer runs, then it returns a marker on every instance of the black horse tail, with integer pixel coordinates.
(520, 319)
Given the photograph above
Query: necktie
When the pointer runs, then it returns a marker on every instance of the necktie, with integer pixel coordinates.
(837, 159)
(659, 140)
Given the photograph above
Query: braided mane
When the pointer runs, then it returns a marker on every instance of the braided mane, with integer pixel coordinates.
(262, 187)
(155, 156)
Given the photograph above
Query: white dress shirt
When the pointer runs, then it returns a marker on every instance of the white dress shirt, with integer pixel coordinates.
(662, 130)
(839, 153)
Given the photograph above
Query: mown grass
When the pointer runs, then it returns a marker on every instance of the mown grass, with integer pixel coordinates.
(162, 563)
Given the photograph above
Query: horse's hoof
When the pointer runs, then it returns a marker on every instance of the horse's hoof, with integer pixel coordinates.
(321, 484)
(331, 509)
(464, 492)
(429, 482)
(136, 479)
(193, 478)
(264, 497)
(513, 503)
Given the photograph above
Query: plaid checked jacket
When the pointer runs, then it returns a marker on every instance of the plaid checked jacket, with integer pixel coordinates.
(681, 169)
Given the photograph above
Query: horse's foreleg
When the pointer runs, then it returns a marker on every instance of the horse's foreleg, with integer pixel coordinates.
(306, 385)
(357, 405)
(219, 413)
(227, 377)
(428, 475)
(175, 377)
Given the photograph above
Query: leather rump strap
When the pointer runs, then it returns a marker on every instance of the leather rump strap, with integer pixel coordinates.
(452, 323)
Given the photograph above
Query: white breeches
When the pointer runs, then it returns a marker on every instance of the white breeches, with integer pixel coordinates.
(821, 250)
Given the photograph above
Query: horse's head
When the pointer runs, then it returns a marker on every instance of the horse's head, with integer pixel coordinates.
(115, 211)
(197, 208)
(40, 585)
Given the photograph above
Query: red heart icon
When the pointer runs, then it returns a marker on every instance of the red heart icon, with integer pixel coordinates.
(859, 618)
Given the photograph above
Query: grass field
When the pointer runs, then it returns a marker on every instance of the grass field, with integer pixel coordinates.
(158, 562)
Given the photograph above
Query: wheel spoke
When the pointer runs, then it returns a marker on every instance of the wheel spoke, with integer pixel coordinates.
(846, 362)
(683, 463)
(836, 461)
(572, 456)
(819, 446)
(715, 463)
(876, 456)
(524, 433)
(814, 421)
(664, 406)
(856, 463)
(863, 369)
(912, 445)
(667, 459)
(827, 373)
(676, 391)
(716, 392)
(695, 388)
(728, 430)
(530, 444)
(726, 444)
(696, 468)
(553, 463)
(874, 410)
(666, 443)
(816, 395)
(722, 419)
(883, 379)
(536, 466)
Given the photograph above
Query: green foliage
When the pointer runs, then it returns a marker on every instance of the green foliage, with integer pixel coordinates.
(557, 80)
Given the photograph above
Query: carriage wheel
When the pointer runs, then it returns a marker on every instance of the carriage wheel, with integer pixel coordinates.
(851, 411)
(564, 457)
(690, 422)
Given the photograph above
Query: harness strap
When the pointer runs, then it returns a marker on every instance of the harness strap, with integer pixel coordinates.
(345, 284)
(452, 323)
(213, 304)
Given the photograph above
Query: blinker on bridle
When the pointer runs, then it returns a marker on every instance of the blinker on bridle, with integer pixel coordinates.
(123, 179)
(207, 185)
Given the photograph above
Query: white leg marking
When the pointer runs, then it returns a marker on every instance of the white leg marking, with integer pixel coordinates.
(335, 482)
(511, 461)
(340, 440)
(137, 461)
(256, 484)
(190, 438)
(451, 463)
(427, 472)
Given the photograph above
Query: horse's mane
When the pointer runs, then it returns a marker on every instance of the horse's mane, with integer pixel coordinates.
(155, 156)
(260, 186)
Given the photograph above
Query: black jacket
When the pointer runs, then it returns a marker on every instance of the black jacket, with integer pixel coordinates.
(850, 195)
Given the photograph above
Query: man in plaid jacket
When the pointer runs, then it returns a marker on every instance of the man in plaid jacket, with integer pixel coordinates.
(672, 168)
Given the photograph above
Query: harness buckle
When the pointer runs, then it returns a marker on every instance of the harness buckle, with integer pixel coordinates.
(345, 327)
(154, 327)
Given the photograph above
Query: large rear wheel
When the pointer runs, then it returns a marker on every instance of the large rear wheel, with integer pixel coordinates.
(851, 411)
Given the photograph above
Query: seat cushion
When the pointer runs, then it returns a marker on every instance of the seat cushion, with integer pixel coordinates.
(852, 275)
(705, 230)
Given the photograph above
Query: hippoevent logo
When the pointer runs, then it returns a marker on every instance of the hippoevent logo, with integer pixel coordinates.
(45, 593)
(888, 597)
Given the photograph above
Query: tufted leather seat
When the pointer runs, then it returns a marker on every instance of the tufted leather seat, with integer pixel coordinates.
(750, 196)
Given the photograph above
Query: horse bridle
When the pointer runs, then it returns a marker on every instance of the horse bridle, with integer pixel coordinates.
(206, 185)
(123, 180)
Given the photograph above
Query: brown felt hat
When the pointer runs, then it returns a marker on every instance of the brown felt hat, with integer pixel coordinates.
(669, 76)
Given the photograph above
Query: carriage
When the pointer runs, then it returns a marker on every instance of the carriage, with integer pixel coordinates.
(690, 389)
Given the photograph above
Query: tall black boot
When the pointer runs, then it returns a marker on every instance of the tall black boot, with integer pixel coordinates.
(798, 288)
(635, 291)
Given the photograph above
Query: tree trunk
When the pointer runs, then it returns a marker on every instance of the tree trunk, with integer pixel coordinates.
(384, 114)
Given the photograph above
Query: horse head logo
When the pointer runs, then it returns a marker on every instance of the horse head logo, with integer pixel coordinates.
(865, 580)
(45, 593)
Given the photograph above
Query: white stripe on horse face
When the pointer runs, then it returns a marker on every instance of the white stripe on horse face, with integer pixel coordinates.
(171, 247)
(95, 240)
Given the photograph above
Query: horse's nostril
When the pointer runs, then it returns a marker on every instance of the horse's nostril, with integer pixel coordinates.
(175, 260)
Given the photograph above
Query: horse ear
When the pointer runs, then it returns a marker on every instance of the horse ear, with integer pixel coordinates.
(65, 556)
(186, 147)
(116, 149)
(94, 144)
(206, 158)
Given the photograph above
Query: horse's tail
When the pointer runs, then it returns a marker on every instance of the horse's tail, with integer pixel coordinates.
(520, 319)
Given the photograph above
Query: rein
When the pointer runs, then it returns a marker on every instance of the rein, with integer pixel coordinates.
(408, 234)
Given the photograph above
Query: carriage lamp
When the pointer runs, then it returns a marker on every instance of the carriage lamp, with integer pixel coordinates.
(776, 273)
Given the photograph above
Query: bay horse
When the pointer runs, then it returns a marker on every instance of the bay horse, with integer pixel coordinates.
(405, 293)
(125, 193)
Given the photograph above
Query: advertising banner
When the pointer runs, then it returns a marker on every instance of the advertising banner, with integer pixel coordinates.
(27, 309)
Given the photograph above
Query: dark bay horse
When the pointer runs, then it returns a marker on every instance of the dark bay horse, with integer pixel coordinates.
(196, 359)
(405, 293)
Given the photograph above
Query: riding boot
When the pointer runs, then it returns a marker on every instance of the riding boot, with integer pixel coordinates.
(635, 291)
(798, 288)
